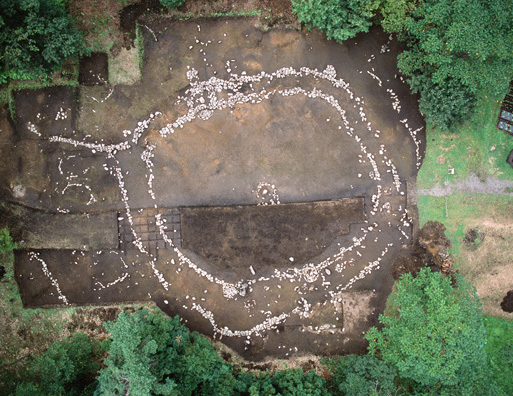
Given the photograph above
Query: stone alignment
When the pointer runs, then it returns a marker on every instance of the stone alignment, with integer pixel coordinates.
(306, 300)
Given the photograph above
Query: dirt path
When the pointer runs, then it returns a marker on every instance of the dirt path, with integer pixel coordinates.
(470, 185)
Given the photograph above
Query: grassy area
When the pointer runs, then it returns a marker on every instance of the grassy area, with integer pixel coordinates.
(486, 265)
(126, 66)
(463, 211)
(476, 146)
(499, 347)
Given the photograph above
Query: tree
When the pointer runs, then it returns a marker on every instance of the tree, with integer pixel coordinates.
(66, 368)
(457, 49)
(434, 336)
(362, 375)
(152, 354)
(339, 19)
(36, 37)
(284, 383)
(394, 14)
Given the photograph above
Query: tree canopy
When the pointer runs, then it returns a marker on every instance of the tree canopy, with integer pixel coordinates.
(456, 49)
(434, 335)
(36, 37)
(151, 354)
(339, 19)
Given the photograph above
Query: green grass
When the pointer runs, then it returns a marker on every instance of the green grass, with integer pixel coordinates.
(67, 76)
(184, 16)
(476, 146)
(499, 348)
(462, 209)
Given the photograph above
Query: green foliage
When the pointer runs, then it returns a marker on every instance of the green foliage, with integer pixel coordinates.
(174, 4)
(499, 349)
(7, 247)
(435, 335)
(443, 104)
(339, 19)
(284, 383)
(457, 48)
(394, 14)
(151, 354)
(361, 375)
(66, 368)
(36, 37)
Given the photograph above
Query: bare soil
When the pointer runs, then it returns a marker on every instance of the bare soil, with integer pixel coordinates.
(94, 69)
(488, 263)
(296, 142)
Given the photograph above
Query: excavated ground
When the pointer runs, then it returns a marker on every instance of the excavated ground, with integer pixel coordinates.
(253, 182)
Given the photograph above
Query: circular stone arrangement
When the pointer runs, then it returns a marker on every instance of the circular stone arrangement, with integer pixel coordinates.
(202, 99)
(269, 300)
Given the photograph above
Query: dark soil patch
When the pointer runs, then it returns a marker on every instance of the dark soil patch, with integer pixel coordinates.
(507, 302)
(51, 111)
(430, 250)
(90, 321)
(473, 238)
(509, 160)
(94, 69)
(275, 235)
(2, 271)
(129, 15)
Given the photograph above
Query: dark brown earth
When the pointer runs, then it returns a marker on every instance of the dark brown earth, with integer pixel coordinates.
(507, 302)
(299, 143)
(431, 249)
(94, 69)
(270, 235)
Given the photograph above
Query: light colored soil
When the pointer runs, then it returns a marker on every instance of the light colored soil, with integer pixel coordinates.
(489, 267)
(471, 185)
(124, 67)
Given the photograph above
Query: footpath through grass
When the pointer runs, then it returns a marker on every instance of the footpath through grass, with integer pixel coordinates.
(476, 147)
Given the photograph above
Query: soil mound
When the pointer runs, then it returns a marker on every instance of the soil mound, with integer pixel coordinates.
(431, 249)
(507, 302)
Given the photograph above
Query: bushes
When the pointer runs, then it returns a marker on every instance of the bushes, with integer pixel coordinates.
(444, 104)
(284, 383)
(434, 336)
(339, 19)
(174, 4)
(151, 354)
(456, 48)
(66, 368)
(358, 375)
(36, 37)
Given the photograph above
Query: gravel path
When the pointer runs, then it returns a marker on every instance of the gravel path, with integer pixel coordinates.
(470, 185)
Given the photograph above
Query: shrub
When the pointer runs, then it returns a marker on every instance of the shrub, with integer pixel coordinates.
(339, 19)
(174, 4)
(284, 383)
(36, 37)
(152, 354)
(66, 368)
(361, 375)
(443, 104)
(456, 49)
(434, 335)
